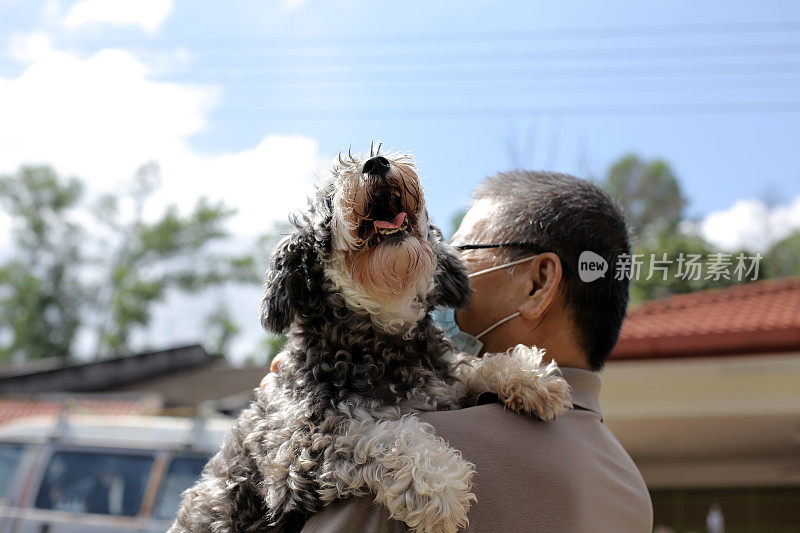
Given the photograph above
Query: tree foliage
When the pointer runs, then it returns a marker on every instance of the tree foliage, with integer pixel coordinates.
(149, 259)
(649, 193)
(783, 257)
(61, 277)
(221, 329)
(455, 221)
(40, 286)
(675, 246)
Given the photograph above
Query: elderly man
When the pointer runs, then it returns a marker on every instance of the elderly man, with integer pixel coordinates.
(521, 240)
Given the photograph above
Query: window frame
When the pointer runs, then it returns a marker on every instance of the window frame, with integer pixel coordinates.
(8, 498)
(163, 477)
(51, 450)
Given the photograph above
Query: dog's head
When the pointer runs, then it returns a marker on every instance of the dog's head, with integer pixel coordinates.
(366, 238)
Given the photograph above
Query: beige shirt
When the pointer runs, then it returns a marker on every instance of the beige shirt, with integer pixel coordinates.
(570, 475)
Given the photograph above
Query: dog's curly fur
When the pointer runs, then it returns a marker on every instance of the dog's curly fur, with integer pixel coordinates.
(362, 357)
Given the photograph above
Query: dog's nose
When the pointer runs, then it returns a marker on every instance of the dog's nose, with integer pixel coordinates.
(378, 166)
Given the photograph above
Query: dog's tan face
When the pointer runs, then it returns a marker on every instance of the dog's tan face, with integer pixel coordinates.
(365, 244)
(379, 229)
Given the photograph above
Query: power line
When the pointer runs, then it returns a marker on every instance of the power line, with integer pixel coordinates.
(399, 76)
(466, 55)
(580, 86)
(590, 32)
(614, 110)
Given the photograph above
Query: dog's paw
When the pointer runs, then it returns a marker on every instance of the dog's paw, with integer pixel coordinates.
(526, 385)
(434, 488)
(440, 506)
(444, 511)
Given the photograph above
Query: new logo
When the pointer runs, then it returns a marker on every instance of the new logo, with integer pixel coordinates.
(591, 266)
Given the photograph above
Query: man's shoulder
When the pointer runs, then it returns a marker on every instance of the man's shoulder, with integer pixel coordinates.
(493, 425)
(575, 459)
(572, 467)
(354, 514)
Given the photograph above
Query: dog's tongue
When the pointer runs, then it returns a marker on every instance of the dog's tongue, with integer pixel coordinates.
(394, 224)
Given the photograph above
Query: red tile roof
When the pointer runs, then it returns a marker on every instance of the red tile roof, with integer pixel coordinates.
(12, 409)
(759, 317)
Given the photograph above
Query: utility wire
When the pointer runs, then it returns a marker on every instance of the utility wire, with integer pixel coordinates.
(615, 110)
(504, 35)
(462, 55)
(391, 76)
(576, 86)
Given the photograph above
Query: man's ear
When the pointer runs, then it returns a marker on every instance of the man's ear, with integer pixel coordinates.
(288, 280)
(544, 276)
(452, 287)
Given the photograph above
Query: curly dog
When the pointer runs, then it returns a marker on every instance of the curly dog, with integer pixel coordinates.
(355, 282)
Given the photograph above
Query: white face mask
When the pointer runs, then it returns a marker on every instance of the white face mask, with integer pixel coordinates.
(444, 317)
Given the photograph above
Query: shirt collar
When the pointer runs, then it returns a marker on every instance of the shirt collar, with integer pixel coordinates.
(585, 386)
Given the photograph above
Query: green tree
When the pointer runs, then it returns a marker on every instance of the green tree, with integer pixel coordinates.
(455, 221)
(40, 288)
(273, 345)
(148, 259)
(783, 257)
(221, 329)
(649, 193)
(679, 278)
(59, 278)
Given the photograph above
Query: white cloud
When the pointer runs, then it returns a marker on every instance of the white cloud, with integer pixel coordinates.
(148, 14)
(100, 117)
(751, 224)
(264, 182)
(28, 48)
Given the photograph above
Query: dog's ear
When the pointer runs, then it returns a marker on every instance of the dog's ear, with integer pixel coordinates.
(452, 288)
(288, 280)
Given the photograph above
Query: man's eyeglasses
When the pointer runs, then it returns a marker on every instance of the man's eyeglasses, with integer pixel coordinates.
(535, 248)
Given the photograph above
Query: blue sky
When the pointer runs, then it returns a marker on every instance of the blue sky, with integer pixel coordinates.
(561, 85)
(243, 100)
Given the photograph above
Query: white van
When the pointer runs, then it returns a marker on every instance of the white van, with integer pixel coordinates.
(93, 474)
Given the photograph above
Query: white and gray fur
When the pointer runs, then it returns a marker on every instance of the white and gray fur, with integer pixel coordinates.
(338, 418)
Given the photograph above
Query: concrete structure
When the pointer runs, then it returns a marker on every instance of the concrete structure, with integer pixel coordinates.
(101, 375)
(703, 390)
(177, 381)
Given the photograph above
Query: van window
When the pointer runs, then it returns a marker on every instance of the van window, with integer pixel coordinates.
(96, 483)
(9, 455)
(181, 474)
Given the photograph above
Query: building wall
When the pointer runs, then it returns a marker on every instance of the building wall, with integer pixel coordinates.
(722, 430)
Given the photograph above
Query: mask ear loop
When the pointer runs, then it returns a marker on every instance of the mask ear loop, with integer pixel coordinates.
(501, 322)
(499, 267)
(492, 269)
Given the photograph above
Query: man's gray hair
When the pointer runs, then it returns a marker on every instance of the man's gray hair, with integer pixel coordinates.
(566, 215)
